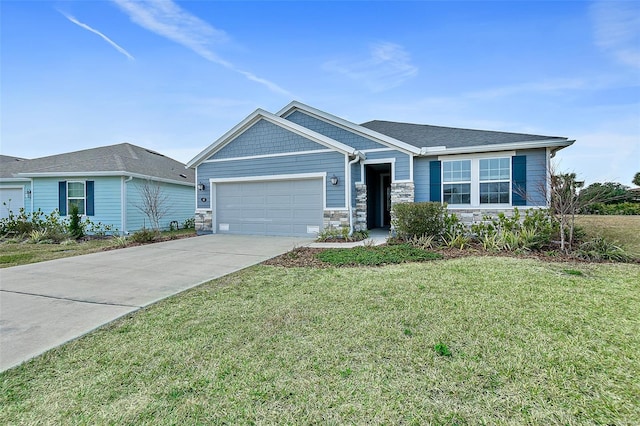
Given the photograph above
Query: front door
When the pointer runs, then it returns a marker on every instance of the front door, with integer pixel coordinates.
(378, 180)
(386, 208)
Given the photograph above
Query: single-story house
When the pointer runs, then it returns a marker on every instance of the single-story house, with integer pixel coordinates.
(105, 183)
(301, 170)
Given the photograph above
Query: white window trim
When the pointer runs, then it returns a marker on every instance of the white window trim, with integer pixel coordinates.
(84, 196)
(475, 178)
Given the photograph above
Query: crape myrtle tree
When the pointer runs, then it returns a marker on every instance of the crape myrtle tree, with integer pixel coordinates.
(565, 203)
(153, 202)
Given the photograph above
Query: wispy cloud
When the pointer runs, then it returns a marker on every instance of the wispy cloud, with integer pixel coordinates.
(388, 65)
(617, 29)
(168, 20)
(104, 37)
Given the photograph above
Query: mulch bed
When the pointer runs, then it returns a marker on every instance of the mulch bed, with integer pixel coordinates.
(306, 257)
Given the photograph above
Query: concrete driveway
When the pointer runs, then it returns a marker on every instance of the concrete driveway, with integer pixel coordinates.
(46, 304)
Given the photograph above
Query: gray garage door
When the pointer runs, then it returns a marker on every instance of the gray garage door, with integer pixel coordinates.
(284, 207)
(10, 198)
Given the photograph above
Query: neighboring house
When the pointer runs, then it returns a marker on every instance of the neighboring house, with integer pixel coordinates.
(302, 170)
(105, 183)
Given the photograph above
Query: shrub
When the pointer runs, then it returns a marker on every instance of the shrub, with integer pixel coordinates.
(189, 223)
(533, 232)
(418, 219)
(331, 233)
(120, 240)
(144, 236)
(626, 208)
(75, 227)
(22, 224)
(600, 249)
(98, 229)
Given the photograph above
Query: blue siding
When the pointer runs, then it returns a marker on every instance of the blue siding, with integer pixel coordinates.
(402, 171)
(265, 138)
(536, 176)
(421, 178)
(333, 132)
(329, 162)
(107, 199)
(178, 205)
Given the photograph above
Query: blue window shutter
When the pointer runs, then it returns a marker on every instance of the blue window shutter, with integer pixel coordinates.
(62, 197)
(435, 193)
(89, 189)
(519, 180)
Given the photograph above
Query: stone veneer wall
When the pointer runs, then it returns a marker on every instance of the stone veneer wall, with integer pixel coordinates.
(401, 192)
(335, 219)
(470, 216)
(204, 221)
(360, 222)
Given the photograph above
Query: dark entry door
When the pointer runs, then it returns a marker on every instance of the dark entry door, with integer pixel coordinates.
(378, 180)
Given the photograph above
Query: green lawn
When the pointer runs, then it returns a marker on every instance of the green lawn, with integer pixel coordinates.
(530, 343)
(625, 230)
(14, 253)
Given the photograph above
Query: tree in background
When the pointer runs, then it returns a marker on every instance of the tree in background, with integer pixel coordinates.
(607, 193)
(153, 202)
(636, 179)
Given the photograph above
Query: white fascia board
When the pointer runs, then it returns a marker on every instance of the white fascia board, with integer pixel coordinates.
(274, 119)
(17, 179)
(546, 143)
(104, 174)
(223, 140)
(347, 125)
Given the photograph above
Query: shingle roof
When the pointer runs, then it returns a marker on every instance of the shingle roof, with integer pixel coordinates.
(422, 135)
(124, 157)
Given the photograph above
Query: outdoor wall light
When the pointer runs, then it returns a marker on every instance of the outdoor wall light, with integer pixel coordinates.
(201, 187)
(334, 180)
(28, 193)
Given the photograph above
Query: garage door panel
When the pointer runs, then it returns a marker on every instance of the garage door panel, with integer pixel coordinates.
(10, 199)
(286, 207)
(279, 200)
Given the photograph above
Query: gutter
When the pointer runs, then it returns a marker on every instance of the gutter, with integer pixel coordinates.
(558, 148)
(558, 143)
(359, 156)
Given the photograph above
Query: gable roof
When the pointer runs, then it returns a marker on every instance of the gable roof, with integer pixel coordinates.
(349, 126)
(261, 114)
(437, 138)
(122, 159)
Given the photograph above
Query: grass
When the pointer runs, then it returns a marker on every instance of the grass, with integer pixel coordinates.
(14, 253)
(376, 255)
(466, 341)
(624, 230)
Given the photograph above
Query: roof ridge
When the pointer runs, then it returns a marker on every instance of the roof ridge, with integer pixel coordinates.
(456, 128)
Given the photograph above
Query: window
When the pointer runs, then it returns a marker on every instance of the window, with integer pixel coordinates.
(456, 178)
(495, 175)
(476, 181)
(76, 196)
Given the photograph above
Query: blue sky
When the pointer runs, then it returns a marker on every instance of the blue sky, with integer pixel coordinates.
(175, 76)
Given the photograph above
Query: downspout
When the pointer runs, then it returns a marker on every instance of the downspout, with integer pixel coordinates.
(123, 203)
(359, 156)
(32, 194)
